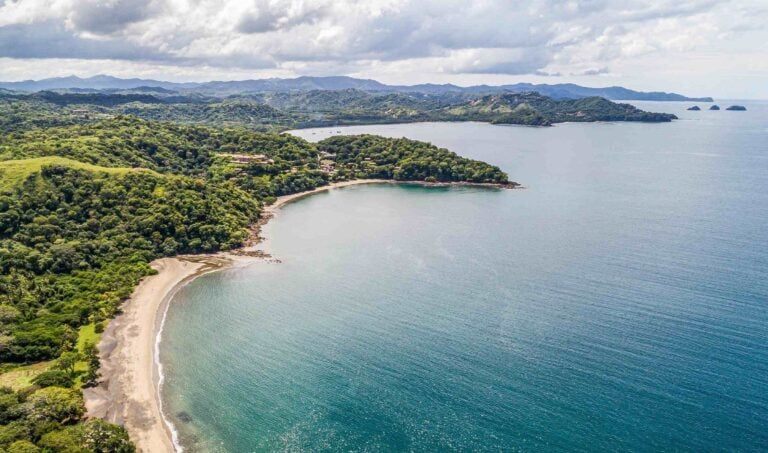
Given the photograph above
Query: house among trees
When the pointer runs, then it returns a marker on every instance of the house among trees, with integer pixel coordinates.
(242, 159)
(83, 113)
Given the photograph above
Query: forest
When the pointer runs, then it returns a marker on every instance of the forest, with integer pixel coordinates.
(84, 209)
(279, 111)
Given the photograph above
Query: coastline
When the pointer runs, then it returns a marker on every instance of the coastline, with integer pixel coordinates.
(250, 248)
(129, 391)
(285, 199)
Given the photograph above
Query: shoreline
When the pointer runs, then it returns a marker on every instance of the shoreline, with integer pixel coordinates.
(285, 199)
(129, 392)
(250, 248)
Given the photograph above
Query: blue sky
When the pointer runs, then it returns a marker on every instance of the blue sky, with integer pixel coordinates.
(697, 47)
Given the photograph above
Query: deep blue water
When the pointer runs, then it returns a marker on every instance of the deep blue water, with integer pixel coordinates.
(619, 303)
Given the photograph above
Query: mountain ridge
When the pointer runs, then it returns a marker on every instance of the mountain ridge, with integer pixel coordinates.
(308, 83)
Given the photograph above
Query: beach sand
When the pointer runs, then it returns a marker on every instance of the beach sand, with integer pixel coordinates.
(128, 393)
(129, 390)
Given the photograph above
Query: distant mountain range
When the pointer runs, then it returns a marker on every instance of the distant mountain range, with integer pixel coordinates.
(225, 88)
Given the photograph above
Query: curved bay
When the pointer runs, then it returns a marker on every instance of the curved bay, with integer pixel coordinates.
(618, 303)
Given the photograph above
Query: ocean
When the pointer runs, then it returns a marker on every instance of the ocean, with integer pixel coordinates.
(617, 303)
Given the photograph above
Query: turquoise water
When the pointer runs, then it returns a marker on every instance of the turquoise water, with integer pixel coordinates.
(620, 302)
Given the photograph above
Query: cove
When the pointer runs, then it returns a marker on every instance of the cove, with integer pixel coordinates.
(618, 303)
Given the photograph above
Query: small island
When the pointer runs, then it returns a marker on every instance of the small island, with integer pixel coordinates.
(695, 108)
(715, 107)
(737, 108)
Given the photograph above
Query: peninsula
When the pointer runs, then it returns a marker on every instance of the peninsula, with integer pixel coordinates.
(279, 111)
(86, 212)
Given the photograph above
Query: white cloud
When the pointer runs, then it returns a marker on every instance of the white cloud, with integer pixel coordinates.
(405, 39)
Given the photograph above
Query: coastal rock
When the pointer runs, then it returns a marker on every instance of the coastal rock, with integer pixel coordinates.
(694, 108)
(737, 108)
(715, 107)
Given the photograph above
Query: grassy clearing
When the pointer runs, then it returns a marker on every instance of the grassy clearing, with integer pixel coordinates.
(86, 334)
(21, 377)
(14, 172)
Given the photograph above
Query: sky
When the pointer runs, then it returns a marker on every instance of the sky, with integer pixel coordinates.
(696, 47)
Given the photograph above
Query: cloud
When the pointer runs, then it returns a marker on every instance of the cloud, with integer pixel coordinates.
(594, 71)
(51, 39)
(276, 16)
(109, 16)
(496, 61)
(492, 37)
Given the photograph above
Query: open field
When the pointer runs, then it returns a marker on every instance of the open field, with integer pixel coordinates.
(14, 172)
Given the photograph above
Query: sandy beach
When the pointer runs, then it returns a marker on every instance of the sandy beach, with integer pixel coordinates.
(129, 390)
(285, 199)
(128, 393)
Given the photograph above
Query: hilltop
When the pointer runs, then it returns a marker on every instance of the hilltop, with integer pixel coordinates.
(14, 172)
(537, 110)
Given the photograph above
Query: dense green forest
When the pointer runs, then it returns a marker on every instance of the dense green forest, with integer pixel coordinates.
(75, 242)
(50, 419)
(20, 115)
(371, 156)
(277, 111)
(84, 209)
(537, 110)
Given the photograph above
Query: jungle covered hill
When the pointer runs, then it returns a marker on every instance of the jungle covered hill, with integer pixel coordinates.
(278, 111)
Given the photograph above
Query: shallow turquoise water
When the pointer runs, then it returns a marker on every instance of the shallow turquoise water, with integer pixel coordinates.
(619, 303)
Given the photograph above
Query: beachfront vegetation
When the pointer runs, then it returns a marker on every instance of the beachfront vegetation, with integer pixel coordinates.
(85, 207)
(371, 156)
(75, 242)
(50, 419)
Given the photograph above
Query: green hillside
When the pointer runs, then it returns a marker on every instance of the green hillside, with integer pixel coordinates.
(276, 111)
(536, 110)
(14, 172)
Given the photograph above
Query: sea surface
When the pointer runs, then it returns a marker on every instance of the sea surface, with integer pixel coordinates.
(618, 303)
